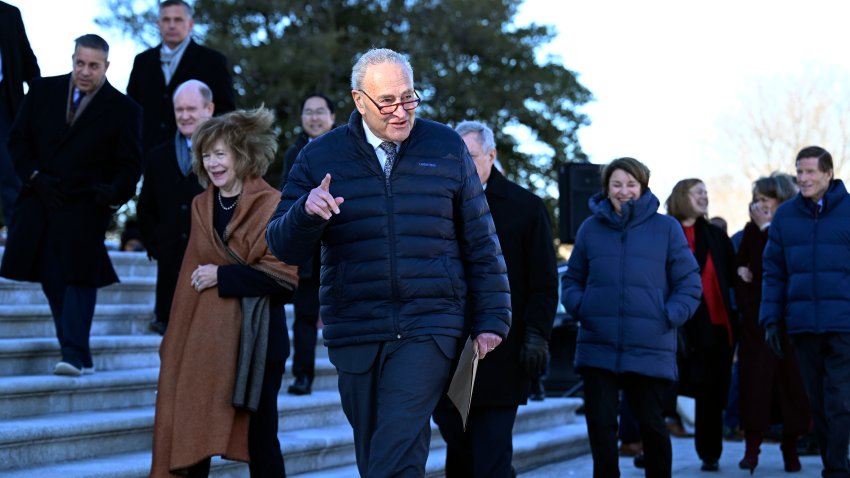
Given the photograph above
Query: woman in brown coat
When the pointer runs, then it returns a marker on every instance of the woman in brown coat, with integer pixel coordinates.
(223, 354)
(767, 381)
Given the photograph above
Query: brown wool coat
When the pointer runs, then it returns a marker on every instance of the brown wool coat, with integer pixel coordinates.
(194, 416)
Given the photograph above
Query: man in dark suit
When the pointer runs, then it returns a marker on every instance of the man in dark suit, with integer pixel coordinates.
(409, 255)
(17, 65)
(76, 147)
(504, 379)
(165, 203)
(157, 72)
(317, 118)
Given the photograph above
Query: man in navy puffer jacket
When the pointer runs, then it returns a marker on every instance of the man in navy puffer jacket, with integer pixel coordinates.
(806, 265)
(408, 257)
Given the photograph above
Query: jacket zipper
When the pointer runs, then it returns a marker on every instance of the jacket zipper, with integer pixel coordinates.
(390, 238)
(618, 365)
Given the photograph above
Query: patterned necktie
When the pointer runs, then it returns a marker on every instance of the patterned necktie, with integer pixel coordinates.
(388, 148)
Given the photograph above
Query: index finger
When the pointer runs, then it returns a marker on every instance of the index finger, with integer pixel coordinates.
(325, 185)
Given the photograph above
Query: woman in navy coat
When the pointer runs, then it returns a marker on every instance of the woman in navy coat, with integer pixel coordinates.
(631, 282)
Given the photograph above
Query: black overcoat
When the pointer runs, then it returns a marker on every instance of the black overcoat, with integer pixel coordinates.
(523, 228)
(101, 150)
(147, 86)
(19, 63)
(165, 205)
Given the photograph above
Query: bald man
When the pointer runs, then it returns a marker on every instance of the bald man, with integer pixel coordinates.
(169, 186)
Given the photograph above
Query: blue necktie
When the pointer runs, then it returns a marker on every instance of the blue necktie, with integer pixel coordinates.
(75, 105)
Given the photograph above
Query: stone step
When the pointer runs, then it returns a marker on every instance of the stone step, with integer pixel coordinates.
(131, 290)
(135, 264)
(41, 444)
(32, 395)
(22, 321)
(531, 450)
(65, 436)
(37, 356)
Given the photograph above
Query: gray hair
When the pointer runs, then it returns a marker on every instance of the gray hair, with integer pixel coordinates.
(376, 56)
(190, 12)
(203, 89)
(95, 42)
(485, 134)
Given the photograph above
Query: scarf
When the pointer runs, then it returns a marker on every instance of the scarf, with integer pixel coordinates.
(169, 59)
(195, 418)
(711, 293)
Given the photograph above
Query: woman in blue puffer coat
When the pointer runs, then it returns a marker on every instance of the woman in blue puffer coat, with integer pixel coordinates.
(631, 282)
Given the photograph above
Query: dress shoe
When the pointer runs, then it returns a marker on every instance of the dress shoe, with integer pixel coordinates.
(68, 369)
(640, 461)
(301, 386)
(157, 326)
(749, 463)
(710, 465)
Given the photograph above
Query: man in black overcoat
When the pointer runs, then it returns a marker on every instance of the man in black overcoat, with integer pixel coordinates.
(504, 378)
(165, 203)
(76, 147)
(317, 118)
(158, 70)
(18, 65)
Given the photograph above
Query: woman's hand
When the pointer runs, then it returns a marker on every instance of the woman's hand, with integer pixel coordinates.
(204, 277)
(760, 215)
(745, 274)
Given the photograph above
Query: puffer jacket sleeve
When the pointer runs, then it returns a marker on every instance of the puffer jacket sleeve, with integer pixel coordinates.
(575, 278)
(683, 277)
(292, 234)
(485, 270)
(774, 277)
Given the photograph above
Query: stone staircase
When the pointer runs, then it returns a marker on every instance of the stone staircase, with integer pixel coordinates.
(101, 425)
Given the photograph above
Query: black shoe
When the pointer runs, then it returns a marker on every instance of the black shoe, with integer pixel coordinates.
(640, 461)
(710, 465)
(301, 386)
(807, 445)
(157, 326)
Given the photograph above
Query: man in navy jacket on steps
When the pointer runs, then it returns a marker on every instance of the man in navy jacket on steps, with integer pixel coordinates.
(409, 251)
(806, 263)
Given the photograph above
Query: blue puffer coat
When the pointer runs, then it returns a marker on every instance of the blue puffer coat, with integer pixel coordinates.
(631, 282)
(807, 263)
(402, 259)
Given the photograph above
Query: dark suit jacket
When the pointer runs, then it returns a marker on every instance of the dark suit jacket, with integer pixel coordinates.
(147, 87)
(165, 205)
(101, 150)
(522, 224)
(19, 64)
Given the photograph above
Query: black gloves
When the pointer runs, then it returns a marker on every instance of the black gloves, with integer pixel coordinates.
(773, 340)
(46, 190)
(534, 355)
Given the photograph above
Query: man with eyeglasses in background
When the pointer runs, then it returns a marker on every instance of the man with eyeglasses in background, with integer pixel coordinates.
(317, 118)
(409, 255)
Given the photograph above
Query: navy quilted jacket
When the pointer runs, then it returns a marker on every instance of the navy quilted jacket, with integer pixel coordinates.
(631, 281)
(412, 258)
(806, 265)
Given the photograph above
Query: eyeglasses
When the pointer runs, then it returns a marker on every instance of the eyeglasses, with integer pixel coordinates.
(318, 112)
(388, 109)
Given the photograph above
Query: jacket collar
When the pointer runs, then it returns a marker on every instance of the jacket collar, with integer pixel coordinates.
(834, 195)
(497, 184)
(634, 212)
